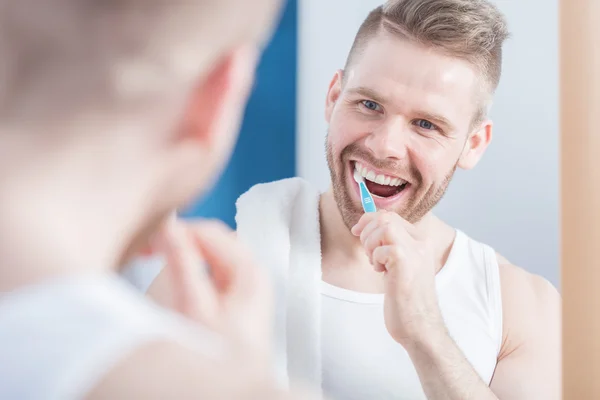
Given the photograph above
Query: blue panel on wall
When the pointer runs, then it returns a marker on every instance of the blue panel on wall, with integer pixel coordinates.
(266, 148)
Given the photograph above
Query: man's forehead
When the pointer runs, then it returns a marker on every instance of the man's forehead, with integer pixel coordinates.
(412, 76)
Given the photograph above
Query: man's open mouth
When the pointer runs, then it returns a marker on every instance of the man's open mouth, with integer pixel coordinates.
(381, 185)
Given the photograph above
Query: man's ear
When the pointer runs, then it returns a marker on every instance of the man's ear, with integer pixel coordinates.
(333, 94)
(218, 99)
(201, 144)
(475, 146)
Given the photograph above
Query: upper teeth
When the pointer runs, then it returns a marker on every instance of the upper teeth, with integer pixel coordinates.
(380, 179)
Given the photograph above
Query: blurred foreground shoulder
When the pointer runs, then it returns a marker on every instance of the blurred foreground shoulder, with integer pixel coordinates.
(167, 370)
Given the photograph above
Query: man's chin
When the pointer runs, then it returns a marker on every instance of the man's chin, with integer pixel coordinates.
(351, 213)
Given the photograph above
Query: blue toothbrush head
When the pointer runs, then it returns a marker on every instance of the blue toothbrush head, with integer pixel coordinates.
(365, 197)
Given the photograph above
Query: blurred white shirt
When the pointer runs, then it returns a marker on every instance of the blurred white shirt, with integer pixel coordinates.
(60, 338)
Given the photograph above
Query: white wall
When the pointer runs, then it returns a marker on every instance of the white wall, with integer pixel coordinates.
(510, 200)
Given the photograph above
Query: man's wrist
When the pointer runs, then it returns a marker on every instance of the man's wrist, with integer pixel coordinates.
(429, 341)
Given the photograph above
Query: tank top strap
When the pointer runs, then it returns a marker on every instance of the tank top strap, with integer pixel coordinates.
(475, 270)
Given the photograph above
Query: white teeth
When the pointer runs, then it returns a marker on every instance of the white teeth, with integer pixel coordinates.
(380, 179)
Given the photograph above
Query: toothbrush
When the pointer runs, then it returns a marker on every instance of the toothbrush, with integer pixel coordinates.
(365, 197)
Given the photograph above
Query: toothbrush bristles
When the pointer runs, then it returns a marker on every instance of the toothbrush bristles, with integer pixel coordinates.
(358, 177)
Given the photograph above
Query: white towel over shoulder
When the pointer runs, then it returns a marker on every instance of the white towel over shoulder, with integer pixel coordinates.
(280, 223)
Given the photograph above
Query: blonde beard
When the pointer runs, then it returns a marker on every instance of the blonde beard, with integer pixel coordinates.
(351, 212)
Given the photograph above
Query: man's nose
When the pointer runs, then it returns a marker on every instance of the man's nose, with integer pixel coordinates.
(390, 140)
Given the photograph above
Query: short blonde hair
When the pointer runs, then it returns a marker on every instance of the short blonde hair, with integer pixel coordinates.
(473, 30)
(63, 57)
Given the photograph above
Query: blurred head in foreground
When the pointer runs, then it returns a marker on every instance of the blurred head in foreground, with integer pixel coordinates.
(114, 113)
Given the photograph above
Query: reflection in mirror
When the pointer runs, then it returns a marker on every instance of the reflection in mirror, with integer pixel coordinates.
(447, 112)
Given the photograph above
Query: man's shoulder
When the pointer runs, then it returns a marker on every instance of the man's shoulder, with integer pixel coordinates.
(518, 280)
(276, 194)
(280, 186)
(106, 319)
(271, 212)
(515, 279)
(530, 303)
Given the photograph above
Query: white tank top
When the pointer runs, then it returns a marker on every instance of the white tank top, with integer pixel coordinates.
(60, 338)
(361, 361)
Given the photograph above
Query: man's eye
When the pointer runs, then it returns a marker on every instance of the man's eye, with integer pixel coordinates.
(424, 124)
(371, 105)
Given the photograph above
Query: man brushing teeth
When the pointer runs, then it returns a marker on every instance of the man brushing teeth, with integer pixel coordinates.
(397, 304)
(380, 184)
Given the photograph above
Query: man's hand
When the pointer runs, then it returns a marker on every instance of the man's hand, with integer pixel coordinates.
(215, 282)
(394, 248)
(412, 314)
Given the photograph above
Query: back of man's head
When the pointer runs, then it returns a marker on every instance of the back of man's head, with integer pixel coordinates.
(128, 106)
(65, 58)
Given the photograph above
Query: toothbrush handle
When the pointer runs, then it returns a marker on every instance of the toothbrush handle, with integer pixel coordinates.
(366, 199)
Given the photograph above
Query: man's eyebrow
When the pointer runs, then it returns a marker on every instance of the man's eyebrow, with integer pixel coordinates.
(368, 93)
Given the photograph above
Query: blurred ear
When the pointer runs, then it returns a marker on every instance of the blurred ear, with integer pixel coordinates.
(476, 145)
(216, 105)
(335, 90)
(209, 124)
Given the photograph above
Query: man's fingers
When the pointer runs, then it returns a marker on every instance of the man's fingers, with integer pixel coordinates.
(384, 257)
(230, 261)
(245, 291)
(374, 239)
(194, 293)
(368, 231)
(364, 220)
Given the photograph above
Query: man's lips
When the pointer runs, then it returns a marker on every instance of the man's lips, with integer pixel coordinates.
(383, 200)
(377, 175)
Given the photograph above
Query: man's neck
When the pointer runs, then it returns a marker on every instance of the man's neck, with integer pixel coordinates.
(60, 217)
(345, 262)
